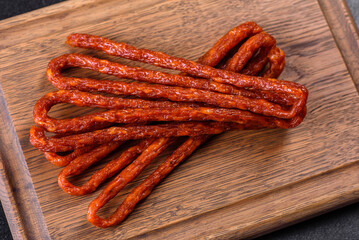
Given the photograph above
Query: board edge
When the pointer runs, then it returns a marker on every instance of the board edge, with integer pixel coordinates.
(42, 12)
(11, 212)
(18, 194)
(345, 33)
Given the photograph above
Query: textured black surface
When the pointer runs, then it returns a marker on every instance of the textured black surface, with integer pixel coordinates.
(354, 8)
(9, 8)
(342, 224)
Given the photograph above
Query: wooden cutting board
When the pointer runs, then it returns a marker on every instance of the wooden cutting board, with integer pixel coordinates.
(238, 184)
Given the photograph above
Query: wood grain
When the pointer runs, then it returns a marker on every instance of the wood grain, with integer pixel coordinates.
(237, 185)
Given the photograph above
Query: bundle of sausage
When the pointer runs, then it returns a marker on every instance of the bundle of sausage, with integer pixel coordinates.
(231, 87)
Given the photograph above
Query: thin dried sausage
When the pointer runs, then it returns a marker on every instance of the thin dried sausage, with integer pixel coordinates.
(223, 90)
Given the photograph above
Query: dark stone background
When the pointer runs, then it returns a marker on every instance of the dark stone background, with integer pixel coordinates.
(342, 224)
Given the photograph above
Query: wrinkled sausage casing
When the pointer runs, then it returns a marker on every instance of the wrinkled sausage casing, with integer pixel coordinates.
(233, 86)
